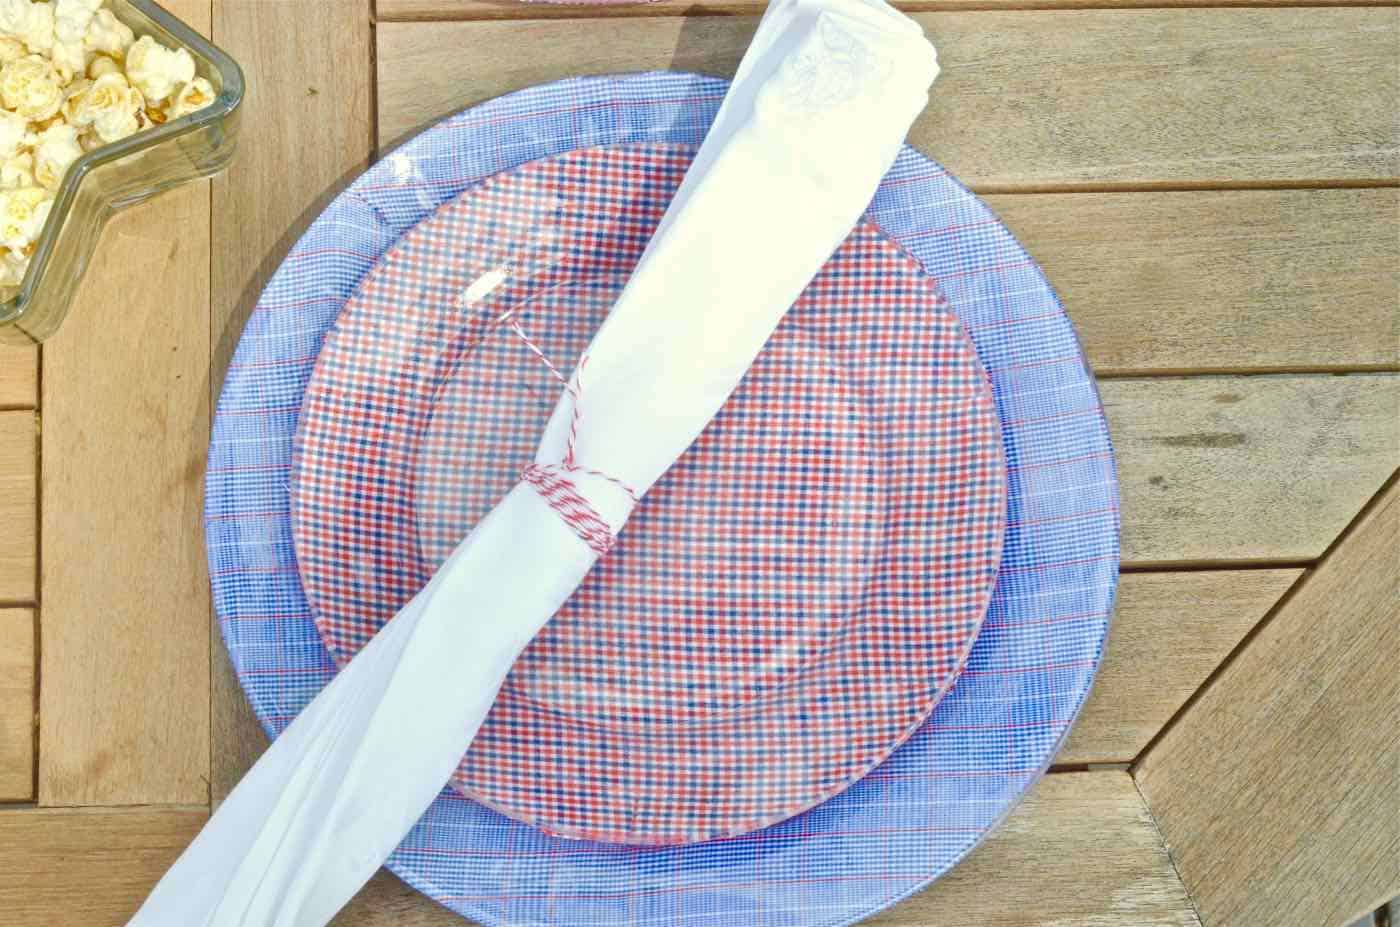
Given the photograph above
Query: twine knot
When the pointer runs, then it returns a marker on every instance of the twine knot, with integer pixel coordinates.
(555, 483)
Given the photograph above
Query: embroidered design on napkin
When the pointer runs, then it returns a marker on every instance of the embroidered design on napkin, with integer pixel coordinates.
(832, 67)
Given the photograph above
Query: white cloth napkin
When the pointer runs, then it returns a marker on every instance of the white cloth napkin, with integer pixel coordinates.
(814, 118)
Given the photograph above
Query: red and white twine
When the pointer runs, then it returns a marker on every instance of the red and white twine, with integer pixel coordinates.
(555, 483)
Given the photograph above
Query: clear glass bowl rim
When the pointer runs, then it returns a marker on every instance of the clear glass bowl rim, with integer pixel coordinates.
(230, 97)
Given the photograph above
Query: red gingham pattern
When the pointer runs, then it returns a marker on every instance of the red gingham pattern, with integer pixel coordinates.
(786, 605)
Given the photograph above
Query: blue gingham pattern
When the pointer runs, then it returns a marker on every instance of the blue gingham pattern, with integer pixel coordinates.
(916, 814)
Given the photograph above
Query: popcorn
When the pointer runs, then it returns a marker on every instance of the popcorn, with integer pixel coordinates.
(12, 270)
(192, 97)
(17, 171)
(31, 87)
(31, 23)
(72, 18)
(72, 99)
(157, 71)
(108, 35)
(100, 65)
(39, 36)
(110, 106)
(14, 16)
(69, 59)
(13, 129)
(22, 215)
(37, 129)
(58, 147)
(73, 78)
(11, 49)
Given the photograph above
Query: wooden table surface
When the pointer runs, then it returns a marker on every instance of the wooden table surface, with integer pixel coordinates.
(1214, 189)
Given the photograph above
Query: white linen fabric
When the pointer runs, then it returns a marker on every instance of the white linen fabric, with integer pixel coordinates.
(814, 118)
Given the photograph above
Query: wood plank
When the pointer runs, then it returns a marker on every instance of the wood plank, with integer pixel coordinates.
(19, 377)
(1248, 468)
(125, 701)
(82, 866)
(1170, 631)
(16, 704)
(428, 10)
(18, 506)
(1081, 849)
(386, 901)
(1026, 100)
(1296, 736)
(124, 705)
(1224, 279)
(118, 855)
(236, 740)
(1099, 814)
(312, 65)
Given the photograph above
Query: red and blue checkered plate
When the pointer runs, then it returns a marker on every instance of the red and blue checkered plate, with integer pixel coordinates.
(787, 604)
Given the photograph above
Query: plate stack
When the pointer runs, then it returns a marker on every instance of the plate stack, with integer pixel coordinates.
(835, 644)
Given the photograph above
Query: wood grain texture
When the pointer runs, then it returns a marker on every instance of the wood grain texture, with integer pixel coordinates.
(1086, 836)
(18, 505)
(89, 867)
(19, 377)
(1248, 468)
(1170, 631)
(1230, 279)
(1081, 849)
(385, 901)
(124, 700)
(124, 708)
(309, 130)
(16, 704)
(1278, 789)
(310, 65)
(427, 10)
(236, 740)
(1026, 99)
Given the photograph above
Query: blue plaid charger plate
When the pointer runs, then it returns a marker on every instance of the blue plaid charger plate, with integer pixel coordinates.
(938, 795)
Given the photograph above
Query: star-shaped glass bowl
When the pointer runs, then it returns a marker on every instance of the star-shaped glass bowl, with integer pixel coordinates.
(124, 173)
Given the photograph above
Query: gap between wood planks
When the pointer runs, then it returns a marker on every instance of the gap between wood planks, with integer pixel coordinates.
(1157, 828)
(209, 400)
(32, 605)
(374, 78)
(1205, 566)
(38, 562)
(452, 11)
(1139, 373)
(1268, 617)
(1187, 186)
(8, 806)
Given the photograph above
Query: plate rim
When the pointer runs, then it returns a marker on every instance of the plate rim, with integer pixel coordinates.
(688, 100)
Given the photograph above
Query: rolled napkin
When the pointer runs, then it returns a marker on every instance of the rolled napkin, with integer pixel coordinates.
(813, 119)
